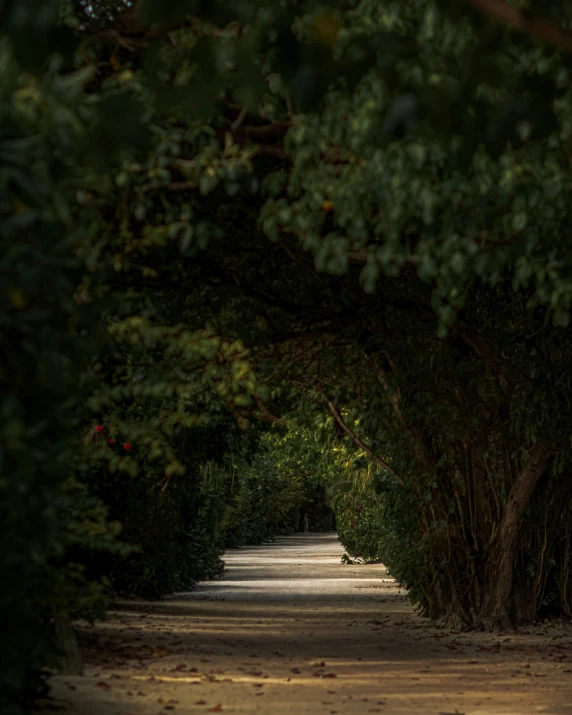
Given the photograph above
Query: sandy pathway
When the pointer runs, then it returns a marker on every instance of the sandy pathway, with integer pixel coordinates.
(289, 629)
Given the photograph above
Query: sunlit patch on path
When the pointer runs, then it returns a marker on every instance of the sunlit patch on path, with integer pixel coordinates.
(289, 629)
(294, 567)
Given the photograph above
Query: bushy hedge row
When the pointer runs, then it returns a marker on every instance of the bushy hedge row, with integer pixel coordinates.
(375, 525)
(380, 522)
(179, 533)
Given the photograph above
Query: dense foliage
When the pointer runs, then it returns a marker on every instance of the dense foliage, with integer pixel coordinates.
(231, 494)
(45, 514)
(281, 490)
(220, 220)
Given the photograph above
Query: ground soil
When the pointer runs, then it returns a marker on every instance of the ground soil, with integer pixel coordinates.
(290, 629)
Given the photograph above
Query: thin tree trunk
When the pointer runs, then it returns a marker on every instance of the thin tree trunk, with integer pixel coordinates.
(498, 587)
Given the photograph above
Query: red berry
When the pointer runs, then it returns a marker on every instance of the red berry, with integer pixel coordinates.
(99, 428)
(111, 441)
(127, 446)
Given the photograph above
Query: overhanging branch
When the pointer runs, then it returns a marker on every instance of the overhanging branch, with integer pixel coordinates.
(361, 444)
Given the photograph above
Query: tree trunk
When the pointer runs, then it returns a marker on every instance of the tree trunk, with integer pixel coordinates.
(495, 611)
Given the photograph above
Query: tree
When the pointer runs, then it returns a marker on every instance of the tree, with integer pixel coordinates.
(429, 169)
(358, 209)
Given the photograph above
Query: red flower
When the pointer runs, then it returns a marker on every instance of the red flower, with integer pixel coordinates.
(127, 446)
(111, 441)
(99, 428)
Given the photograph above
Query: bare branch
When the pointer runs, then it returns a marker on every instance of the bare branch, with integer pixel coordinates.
(361, 444)
(238, 121)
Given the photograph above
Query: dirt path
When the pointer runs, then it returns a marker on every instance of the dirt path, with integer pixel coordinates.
(291, 630)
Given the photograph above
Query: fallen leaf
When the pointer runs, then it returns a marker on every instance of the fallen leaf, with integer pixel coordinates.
(215, 709)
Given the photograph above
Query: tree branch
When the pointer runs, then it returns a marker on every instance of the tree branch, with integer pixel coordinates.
(524, 21)
(509, 371)
(266, 415)
(361, 444)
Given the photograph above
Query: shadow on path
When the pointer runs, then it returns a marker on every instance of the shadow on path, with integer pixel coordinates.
(290, 630)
